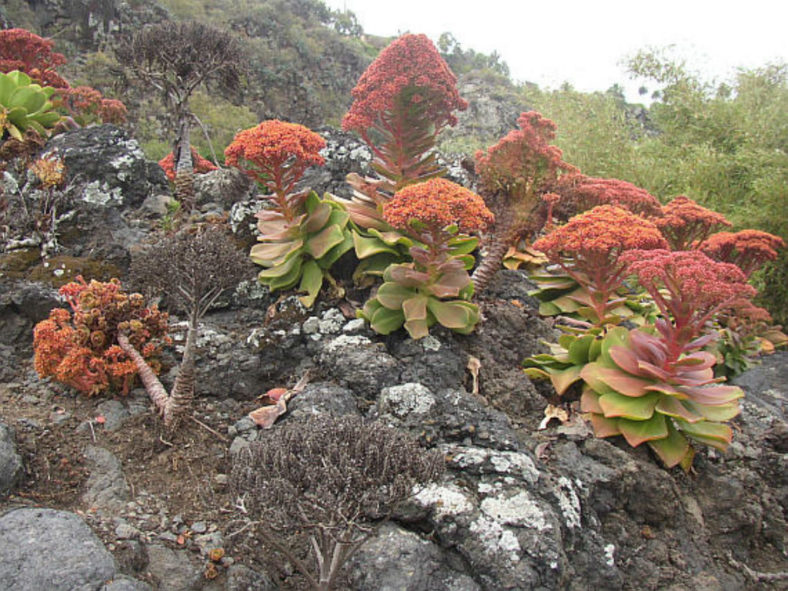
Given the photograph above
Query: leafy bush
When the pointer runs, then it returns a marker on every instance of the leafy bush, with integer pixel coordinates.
(79, 348)
(327, 483)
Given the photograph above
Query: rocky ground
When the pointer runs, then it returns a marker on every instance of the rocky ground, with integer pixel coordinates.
(97, 495)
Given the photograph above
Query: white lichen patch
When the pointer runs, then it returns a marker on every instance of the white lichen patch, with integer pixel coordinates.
(447, 501)
(610, 551)
(406, 400)
(346, 342)
(501, 462)
(520, 509)
(568, 502)
(496, 539)
(127, 160)
(100, 194)
(331, 322)
(430, 343)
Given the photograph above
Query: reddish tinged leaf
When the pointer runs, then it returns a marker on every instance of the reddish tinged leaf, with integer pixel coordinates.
(668, 389)
(714, 395)
(637, 432)
(391, 295)
(451, 314)
(701, 341)
(590, 376)
(650, 370)
(318, 218)
(450, 285)
(648, 347)
(266, 416)
(589, 402)
(696, 361)
(621, 382)
(604, 427)
(625, 359)
(275, 394)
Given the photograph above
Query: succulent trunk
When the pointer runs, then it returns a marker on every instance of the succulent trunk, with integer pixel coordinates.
(184, 167)
(183, 389)
(501, 240)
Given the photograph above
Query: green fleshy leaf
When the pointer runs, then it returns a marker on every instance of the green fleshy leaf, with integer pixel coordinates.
(366, 246)
(312, 202)
(672, 449)
(324, 241)
(375, 265)
(590, 376)
(536, 373)
(637, 409)
(564, 378)
(709, 432)
(722, 412)
(578, 350)
(385, 321)
(636, 432)
(392, 295)
(675, 408)
(336, 252)
(311, 282)
(454, 315)
(549, 309)
(463, 245)
(285, 268)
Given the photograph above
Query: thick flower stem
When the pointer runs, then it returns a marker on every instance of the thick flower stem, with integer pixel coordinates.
(154, 388)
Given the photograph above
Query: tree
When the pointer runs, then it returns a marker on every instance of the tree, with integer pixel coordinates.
(192, 268)
(176, 59)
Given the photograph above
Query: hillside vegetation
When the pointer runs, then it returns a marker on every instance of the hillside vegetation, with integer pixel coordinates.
(724, 145)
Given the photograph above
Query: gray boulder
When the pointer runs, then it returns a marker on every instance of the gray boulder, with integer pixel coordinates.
(10, 460)
(53, 550)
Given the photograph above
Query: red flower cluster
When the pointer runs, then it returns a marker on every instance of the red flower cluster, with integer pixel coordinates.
(522, 161)
(409, 74)
(747, 249)
(438, 203)
(24, 51)
(79, 350)
(86, 102)
(598, 237)
(201, 165)
(276, 153)
(580, 193)
(589, 248)
(688, 287)
(686, 225)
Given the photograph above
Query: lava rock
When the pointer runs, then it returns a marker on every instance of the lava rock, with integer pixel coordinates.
(10, 460)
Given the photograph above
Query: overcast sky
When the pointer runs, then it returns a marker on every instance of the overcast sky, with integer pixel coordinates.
(584, 41)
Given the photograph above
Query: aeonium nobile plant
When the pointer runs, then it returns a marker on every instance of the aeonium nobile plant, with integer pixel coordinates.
(660, 388)
(435, 287)
(301, 235)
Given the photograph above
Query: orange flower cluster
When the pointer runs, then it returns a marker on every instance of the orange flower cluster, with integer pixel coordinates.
(580, 193)
(747, 249)
(438, 203)
(24, 51)
(687, 286)
(201, 165)
(78, 348)
(409, 74)
(522, 161)
(597, 237)
(686, 225)
(275, 153)
(88, 103)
